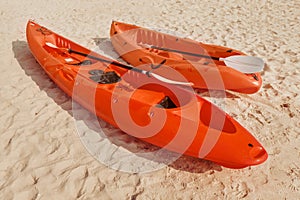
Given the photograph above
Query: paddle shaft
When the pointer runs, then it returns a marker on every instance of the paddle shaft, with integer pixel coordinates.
(109, 61)
(184, 52)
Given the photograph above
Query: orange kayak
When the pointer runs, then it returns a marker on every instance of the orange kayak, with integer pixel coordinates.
(162, 114)
(139, 46)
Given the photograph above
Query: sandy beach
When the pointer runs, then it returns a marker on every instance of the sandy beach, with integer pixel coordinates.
(42, 156)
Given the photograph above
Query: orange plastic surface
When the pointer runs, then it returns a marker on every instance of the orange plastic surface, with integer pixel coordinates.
(194, 127)
(133, 44)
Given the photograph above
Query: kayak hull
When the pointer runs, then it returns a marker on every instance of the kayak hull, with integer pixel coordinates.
(136, 104)
(133, 43)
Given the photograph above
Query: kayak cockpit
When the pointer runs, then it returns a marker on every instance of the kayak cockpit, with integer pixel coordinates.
(214, 118)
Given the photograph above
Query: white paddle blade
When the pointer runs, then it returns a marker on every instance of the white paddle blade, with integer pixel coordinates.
(244, 64)
(163, 79)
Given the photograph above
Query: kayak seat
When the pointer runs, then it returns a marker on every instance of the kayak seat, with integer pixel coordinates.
(102, 77)
(171, 55)
(167, 103)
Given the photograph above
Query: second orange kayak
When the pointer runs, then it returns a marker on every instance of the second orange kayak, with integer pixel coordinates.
(139, 46)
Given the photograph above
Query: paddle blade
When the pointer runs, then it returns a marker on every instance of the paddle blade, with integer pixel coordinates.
(244, 64)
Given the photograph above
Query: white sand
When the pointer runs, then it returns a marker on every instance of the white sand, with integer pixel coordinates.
(40, 151)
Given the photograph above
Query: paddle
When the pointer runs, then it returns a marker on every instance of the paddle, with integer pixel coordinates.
(244, 64)
(148, 73)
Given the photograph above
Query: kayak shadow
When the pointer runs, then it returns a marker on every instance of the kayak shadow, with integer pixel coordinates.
(33, 69)
(115, 136)
(105, 47)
